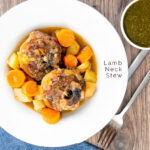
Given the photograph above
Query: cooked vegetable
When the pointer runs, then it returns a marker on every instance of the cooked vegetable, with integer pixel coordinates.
(56, 32)
(13, 61)
(84, 66)
(38, 105)
(20, 96)
(85, 54)
(25, 43)
(38, 96)
(90, 89)
(89, 68)
(70, 61)
(30, 88)
(50, 116)
(16, 78)
(65, 37)
(90, 76)
(73, 49)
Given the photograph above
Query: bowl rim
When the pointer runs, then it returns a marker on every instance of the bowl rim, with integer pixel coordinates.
(123, 31)
(125, 76)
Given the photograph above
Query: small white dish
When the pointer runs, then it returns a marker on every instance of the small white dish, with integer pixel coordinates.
(94, 114)
(123, 31)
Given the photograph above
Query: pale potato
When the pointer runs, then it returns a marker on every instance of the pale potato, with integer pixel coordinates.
(57, 32)
(13, 61)
(38, 96)
(20, 96)
(38, 105)
(73, 49)
(90, 89)
(89, 68)
(84, 66)
(90, 76)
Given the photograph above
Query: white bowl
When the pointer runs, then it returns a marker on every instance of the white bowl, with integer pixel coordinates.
(123, 31)
(94, 114)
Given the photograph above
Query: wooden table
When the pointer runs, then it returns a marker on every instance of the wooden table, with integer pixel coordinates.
(135, 134)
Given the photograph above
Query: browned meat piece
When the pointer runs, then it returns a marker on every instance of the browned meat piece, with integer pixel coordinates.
(63, 89)
(39, 54)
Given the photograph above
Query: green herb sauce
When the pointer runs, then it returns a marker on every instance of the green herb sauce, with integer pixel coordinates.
(137, 23)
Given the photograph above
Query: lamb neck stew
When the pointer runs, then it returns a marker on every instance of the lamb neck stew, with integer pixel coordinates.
(52, 70)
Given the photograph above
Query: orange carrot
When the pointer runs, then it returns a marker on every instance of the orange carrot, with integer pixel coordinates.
(16, 78)
(30, 88)
(70, 61)
(85, 54)
(50, 116)
(65, 37)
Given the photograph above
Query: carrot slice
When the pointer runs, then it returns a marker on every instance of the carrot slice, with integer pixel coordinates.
(30, 88)
(85, 54)
(50, 116)
(16, 78)
(70, 61)
(65, 37)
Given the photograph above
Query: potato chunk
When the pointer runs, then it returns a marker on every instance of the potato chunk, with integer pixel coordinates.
(13, 61)
(38, 96)
(38, 105)
(73, 49)
(90, 76)
(84, 66)
(90, 89)
(20, 96)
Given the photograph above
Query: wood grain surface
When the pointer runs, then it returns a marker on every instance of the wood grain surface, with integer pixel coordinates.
(135, 134)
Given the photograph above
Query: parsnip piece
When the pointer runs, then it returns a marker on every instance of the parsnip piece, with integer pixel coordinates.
(84, 66)
(39, 95)
(13, 61)
(73, 49)
(90, 76)
(90, 89)
(20, 96)
(38, 105)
